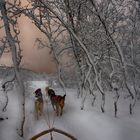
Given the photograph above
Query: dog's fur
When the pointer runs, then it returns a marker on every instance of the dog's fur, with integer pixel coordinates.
(38, 103)
(39, 107)
(57, 101)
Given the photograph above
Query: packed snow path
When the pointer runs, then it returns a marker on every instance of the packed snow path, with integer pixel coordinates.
(87, 124)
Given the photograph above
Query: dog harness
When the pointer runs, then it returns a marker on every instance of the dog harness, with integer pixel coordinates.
(56, 98)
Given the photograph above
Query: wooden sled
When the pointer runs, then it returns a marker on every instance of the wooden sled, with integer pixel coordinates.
(53, 130)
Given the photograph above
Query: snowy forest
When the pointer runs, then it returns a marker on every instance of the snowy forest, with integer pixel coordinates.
(95, 45)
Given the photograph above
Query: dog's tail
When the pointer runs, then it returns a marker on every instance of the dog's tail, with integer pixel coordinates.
(64, 96)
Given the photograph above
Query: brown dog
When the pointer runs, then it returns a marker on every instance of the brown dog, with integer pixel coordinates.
(38, 102)
(39, 107)
(57, 101)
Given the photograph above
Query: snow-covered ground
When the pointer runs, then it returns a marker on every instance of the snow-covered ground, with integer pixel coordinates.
(87, 124)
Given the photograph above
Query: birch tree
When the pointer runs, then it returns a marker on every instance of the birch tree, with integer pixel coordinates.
(13, 43)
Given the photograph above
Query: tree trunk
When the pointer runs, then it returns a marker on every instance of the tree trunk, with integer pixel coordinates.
(12, 44)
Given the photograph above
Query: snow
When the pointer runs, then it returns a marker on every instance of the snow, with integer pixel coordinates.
(87, 124)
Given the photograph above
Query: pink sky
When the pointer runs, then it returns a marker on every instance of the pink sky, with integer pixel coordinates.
(35, 59)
